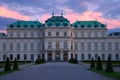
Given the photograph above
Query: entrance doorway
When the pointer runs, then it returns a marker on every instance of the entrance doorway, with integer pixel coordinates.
(49, 56)
(57, 56)
(65, 56)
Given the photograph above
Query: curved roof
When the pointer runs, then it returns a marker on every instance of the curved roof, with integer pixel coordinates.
(57, 19)
(88, 24)
(25, 24)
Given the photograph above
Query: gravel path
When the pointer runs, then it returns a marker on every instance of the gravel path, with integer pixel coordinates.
(54, 71)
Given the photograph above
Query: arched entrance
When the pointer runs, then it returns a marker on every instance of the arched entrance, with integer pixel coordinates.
(57, 56)
(65, 56)
(49, 56)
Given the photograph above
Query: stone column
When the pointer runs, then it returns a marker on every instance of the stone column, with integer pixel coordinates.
(53, 55)
(46, 56)
(61, 56)
(69, 55)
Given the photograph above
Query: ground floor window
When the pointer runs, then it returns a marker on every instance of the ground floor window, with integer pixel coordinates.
(76, 56)
(32, 56)
(71, 55)
(82, 56)
(103, 56)
(4, 57)
(18, 56)
(96, 56)
(117, 56)
(25, 56)
(38, 56)
(89, 56)
(11, 56)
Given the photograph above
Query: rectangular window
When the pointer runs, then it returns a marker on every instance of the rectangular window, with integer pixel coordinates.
(116, 46)
(57, 34)
(76, 56)
(89, 56)
(4, 57)
(18, 56)
(38, 56)
(18, 46)
(32, 56)
(38, 46)
(11, 56)
(65, 45)
(82, 46)
(4, 46)
(89, 45)
(95, 46)
(103, 56)
(82, 56)
(49, 45)
(102, 46)
(117, 56)
(49, 34)
(109, 46)
(11, 46)
(96, 56)
(25, 56)
(32, 46)
(76, 46)
(25, 46)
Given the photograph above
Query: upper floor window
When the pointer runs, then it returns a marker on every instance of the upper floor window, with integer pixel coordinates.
(38, 46)
(102, 46)
(76, 34)
(95, 46)
(32, 46)
(65, 33)
(25, 34)
(18, 34)
(49, 45)
(57, 33)
(11, 46)
(89, 46)
(57, 44)
(82, 46)
(65, 45)
(4, 46)
(25, 46)
(49, 33)
(109, 46)
(75, 46)
(18, 46)
(11, 34)
(116, 46)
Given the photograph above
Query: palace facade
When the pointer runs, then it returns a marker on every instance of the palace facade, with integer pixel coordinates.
(58, 40)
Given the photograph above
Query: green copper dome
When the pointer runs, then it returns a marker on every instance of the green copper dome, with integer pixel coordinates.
(57, 21)
(25, 24)
(88, 24)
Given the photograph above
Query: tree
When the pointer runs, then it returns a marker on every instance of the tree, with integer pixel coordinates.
(99, 64)
(7, 66)
(109, 67)
(15, 65)
(92, 65)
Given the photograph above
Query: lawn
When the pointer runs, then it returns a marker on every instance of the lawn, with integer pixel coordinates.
(6, 72)
(20, 63)
(115, 75)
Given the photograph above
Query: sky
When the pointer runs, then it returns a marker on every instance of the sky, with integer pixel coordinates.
(105, 11)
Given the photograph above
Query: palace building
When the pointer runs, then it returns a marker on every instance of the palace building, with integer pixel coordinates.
(58, 40)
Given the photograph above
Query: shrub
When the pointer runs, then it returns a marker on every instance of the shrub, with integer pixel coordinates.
(40, 61)
(7, 66)
(92, 65)
(109, 67)
(74, 61)
(15, 65)
(99, 64)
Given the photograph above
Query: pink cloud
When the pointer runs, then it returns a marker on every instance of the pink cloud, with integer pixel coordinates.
(12, 14)
(44, 17)
(3, 31)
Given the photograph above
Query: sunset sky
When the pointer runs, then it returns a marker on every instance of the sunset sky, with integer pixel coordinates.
(105, 11)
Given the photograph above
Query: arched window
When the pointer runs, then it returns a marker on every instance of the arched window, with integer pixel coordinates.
(65, 45)
(57, 44)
